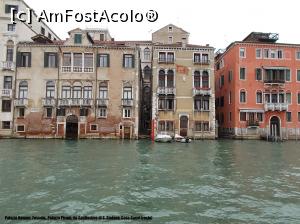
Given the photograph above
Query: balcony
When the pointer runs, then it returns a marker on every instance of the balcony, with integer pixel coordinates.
(166, 90)
(127, 102)
(102, 102)
(252, 123)
(66, 68)
(64, 102)
(202, 91)
(77, 69)
(274, 81)
(21, 102)
(202, 62)
(8, 65)
(276, 107)
(75, 102)
(6, 93)
(48, 102)
(86, 102)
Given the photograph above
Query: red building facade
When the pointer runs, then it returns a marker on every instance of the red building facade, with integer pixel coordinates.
(258, 88)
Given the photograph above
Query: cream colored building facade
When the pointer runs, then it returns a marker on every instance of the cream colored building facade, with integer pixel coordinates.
(183, 85)
(10, 35)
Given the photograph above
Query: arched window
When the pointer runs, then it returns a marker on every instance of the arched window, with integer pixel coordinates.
(170, 79)
(161, 77)
(147, 73)
(147, 54)
(242, 96)
(23, 90)
(205, 79)
(197, 79)
(10, 51)
(50, 89)
(77, 90)
(87, 92)
(103, 90)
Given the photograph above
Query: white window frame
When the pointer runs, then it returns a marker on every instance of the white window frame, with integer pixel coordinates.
(245, 74)
(245, 96)
(126, 115)
(261, 52)
(262, 96)
(99, 113)
(244, 49)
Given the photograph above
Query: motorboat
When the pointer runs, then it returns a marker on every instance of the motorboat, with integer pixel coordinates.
(181, 139)
(163, 138)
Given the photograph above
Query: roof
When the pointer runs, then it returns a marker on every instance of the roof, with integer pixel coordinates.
(173, 26)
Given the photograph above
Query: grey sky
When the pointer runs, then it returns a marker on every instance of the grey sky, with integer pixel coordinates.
(217, 22)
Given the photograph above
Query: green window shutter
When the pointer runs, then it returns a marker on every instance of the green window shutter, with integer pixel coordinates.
(46, 60)
(19, 59)
(29, 59)
(98, 60)
(133, 61)
(7, 9)
(56, 60)
(108, 61)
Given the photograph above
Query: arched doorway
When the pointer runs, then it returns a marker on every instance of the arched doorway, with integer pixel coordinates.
(184, 121)
(275, 126)
(72, 127)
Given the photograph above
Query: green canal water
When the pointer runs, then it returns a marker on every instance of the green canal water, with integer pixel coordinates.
(202, 182)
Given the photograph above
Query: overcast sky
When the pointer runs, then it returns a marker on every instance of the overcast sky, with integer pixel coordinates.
(214, 22)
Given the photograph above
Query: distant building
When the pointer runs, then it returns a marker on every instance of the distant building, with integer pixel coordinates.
(183, 100)
(258, 88)
(10, 35)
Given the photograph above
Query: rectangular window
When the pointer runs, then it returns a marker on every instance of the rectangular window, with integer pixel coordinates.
(298, 55)
(258, 74)
(49, 112)
(66, 92)
(299, 116)
(258, 53)
(11, 27)
(10, 54)
(78, 38)
(259, 117)
(7, 82)
(94, 127)
(6, 105)
(5, 124)
(242, 116)
(287, 75)
(128, 61)
(77, 60)
(266, 53)
(259, 97)
(229, 98)
(242, 97)
(279, 54)
(24, 59)
(43, 32)
(165, 104)
(170, 57)
(103, 60)
(273, 54)
(242, 52)
(9, 7)
(50, 60)
(67, 59)
(102, 112)
(242, 73)
(49, 36)
(170, 40)
(197, 58)
(127, 93)
(126, 113)
(21, 128)
(289, 116)
(162, 57)
(61, 112)
(288, 98)
(299, 98)
(21, 112)
(101, 37)
(84, 112)
(298, 75)
(88, 62)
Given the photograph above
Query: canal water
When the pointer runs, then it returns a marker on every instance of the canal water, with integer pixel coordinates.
(203, 182)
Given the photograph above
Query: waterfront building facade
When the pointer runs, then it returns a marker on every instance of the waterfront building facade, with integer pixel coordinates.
(258, 88)
(183, 96)
(10, 35)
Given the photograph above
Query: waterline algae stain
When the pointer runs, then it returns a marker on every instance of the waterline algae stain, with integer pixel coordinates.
(141, 181)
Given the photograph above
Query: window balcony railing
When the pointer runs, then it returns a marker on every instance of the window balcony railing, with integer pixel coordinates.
(77, 69)
(202, 91)
(75, 102)
(66, 68)
(127, 102)
(6, 93)
(64, 102)
(166, 61)
(202, 62)
(274, 81)
(21, 102)
(48, 102)
(8, 65)
(252, 123)
(166, 90)
(87, 102)
(276, 106)
(102, 102)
